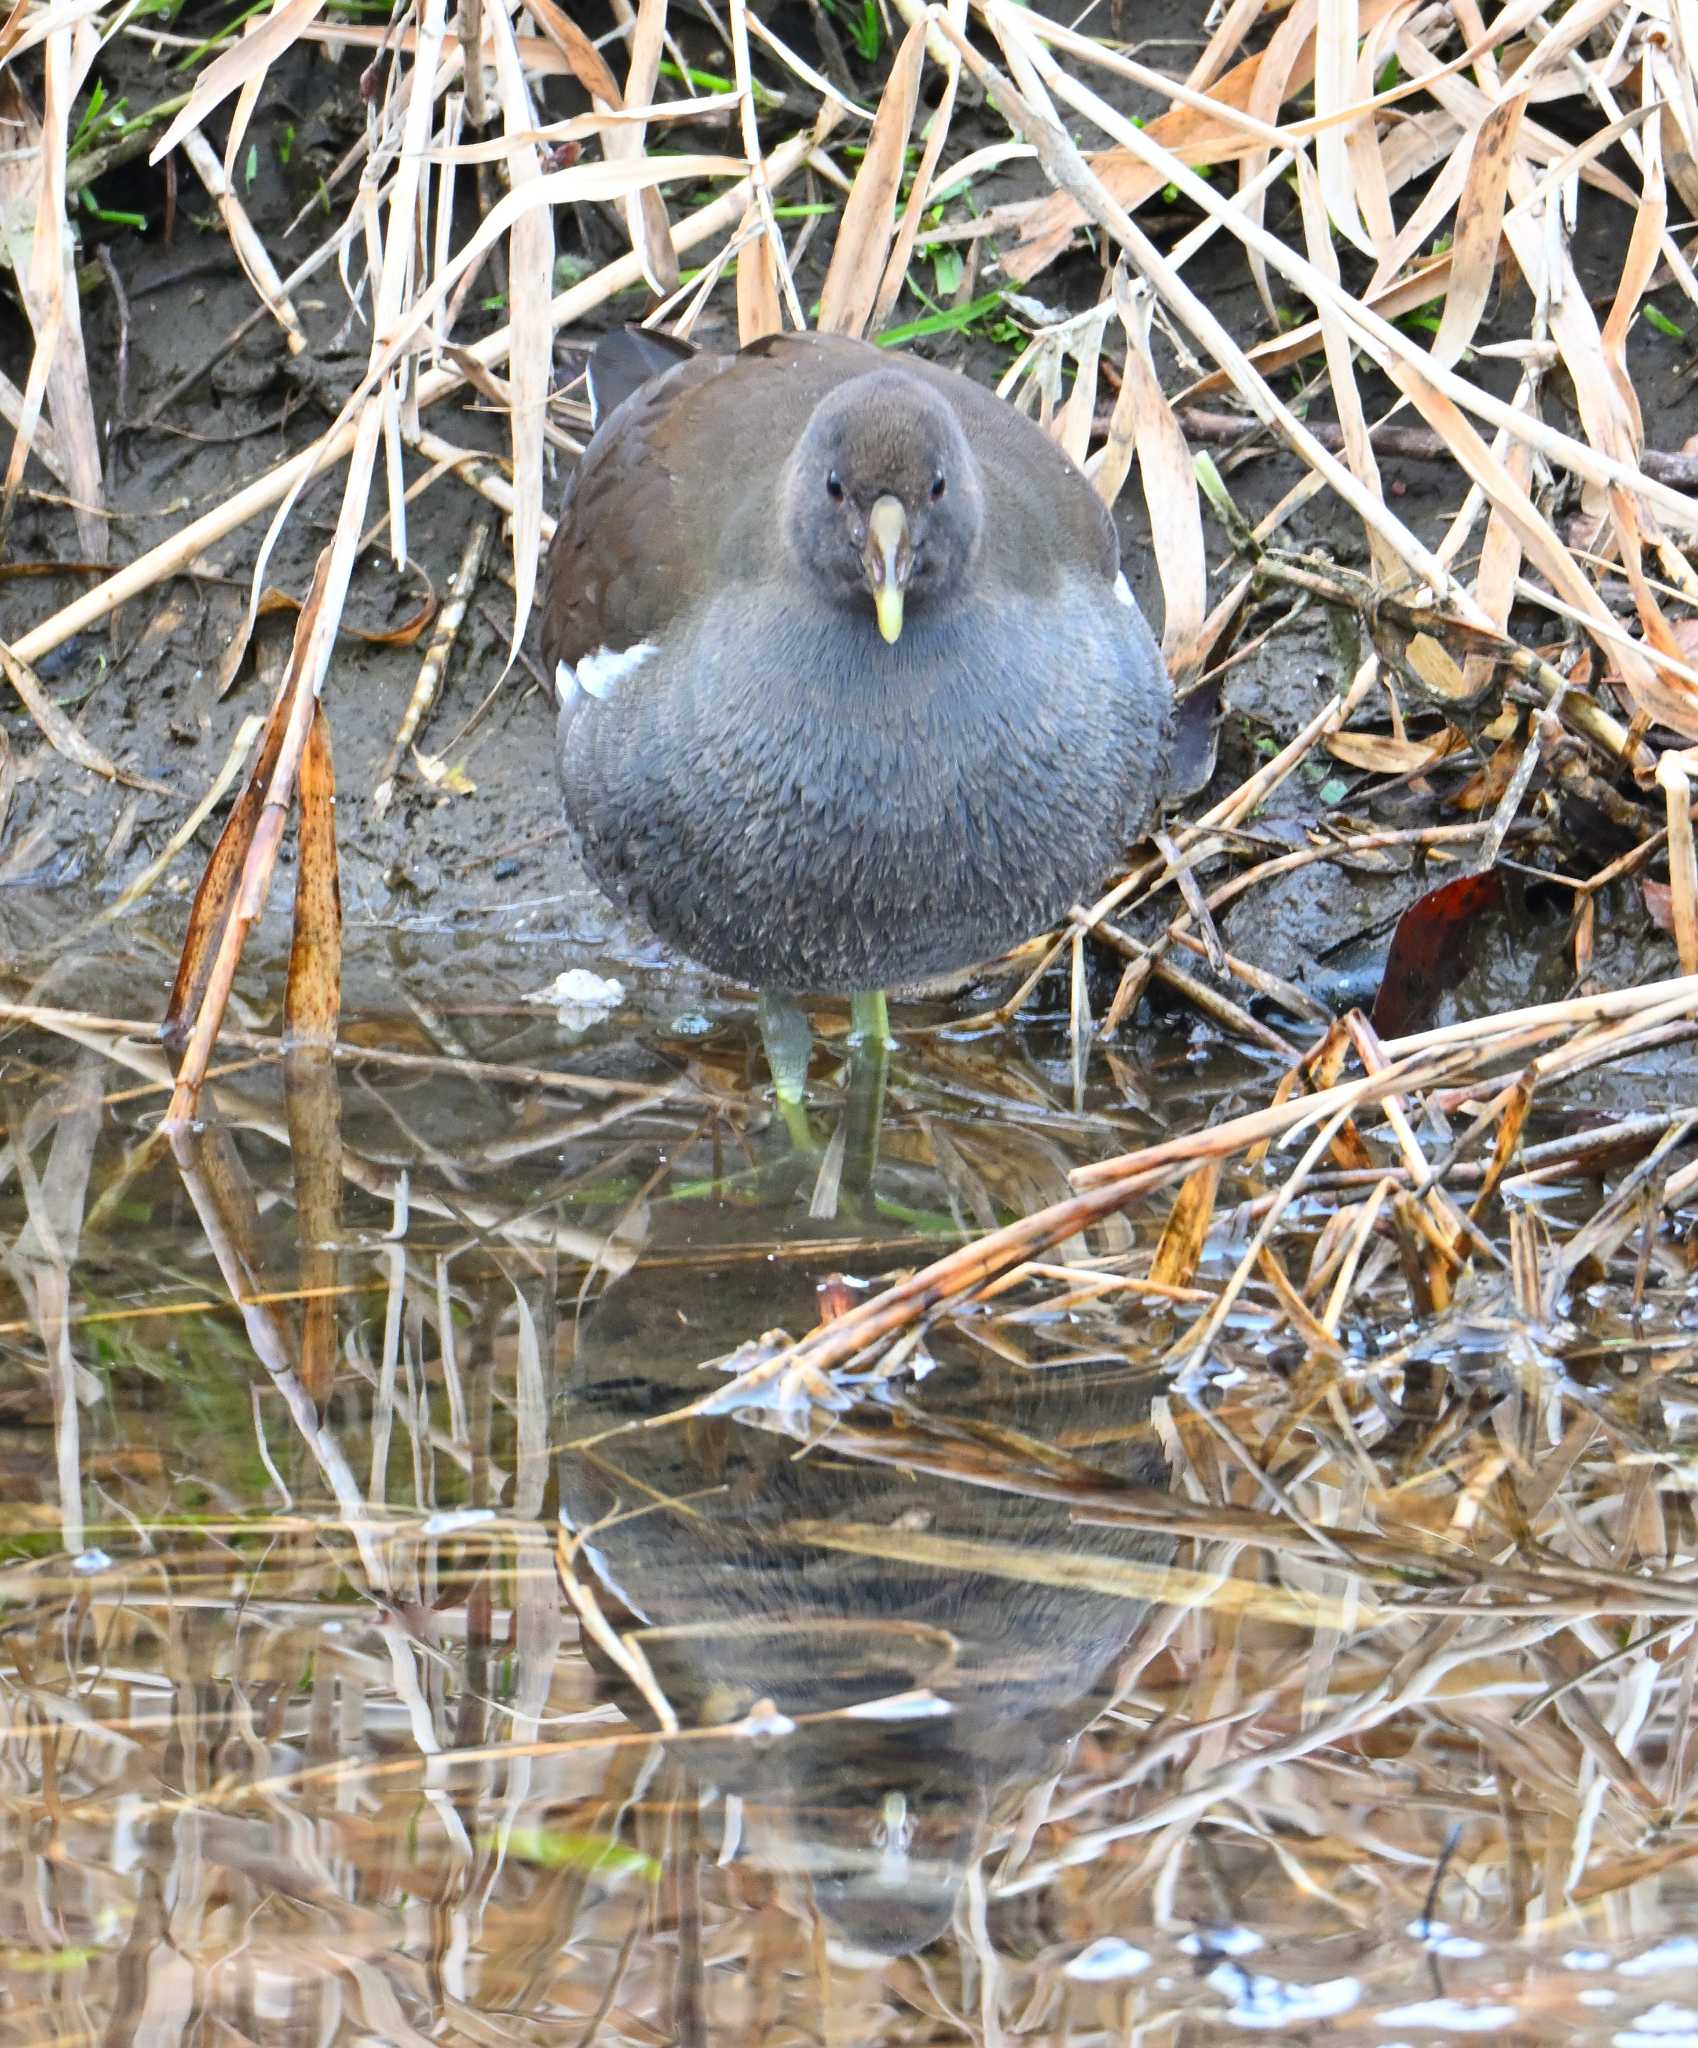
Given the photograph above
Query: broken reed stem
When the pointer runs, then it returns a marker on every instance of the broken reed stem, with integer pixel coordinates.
(437, 656)
(1409, 444)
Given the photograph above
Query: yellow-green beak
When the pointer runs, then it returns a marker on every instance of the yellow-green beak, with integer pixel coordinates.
(889, 560)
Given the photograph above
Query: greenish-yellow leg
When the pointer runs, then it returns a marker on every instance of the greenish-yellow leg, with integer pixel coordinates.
(869, 1062)
(788, 1038)
(869, 1019)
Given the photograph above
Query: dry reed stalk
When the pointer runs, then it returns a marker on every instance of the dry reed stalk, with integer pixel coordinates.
(251, 251)
(32, 167)
(204, 532)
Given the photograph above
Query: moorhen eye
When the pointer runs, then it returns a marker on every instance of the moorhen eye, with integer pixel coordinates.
(939, 484)
(834, 487)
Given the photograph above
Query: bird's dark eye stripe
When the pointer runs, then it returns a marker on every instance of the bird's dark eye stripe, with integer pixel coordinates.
(834, 486)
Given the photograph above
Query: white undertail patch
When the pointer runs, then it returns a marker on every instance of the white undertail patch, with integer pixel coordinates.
(1123, 590)
(599, 674)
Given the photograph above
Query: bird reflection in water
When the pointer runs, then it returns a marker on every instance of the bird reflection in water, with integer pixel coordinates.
(901, 1656)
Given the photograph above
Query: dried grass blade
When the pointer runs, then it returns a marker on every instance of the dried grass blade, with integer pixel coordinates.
(136, 890)
(43, 443)
(1191, 134)
(864, 233)
(896, 266)
(1654, 688)
(645, 211)
(530, 283)
(1676, 785)
(1077, 1570)
(427, 687)
(216, 890)
(248, 59)
(1512, 1121)
(58, 731)
(1143, 421)
(35, 236)
(1062, 161)
(587, 63)
(1341, 366)
(251, 252)
(313, 1105)
(312, 1000)
(1479, 228)
(215, 969)
(1500, 551)
(758, 260)
(1337, 34)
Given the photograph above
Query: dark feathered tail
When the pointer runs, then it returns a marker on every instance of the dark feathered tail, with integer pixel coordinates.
(626, 359)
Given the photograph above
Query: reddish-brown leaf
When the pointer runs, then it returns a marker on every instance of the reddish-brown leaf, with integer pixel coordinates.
(1431, 950)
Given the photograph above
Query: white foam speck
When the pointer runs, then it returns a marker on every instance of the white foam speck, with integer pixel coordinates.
(1107, 1959)
(1454, 2015)
(1261, 2001)
(921, 1705)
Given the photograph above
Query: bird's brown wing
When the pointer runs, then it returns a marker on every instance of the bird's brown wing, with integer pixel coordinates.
(677, 489)
(678, 476)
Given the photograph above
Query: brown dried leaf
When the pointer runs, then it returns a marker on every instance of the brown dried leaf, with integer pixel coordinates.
(1433, 947)
(1479, 224)
(217, 888)
(1181, 1247)
(313, 1103)
(588, 65)
(1510, 1126)
(1381, 754)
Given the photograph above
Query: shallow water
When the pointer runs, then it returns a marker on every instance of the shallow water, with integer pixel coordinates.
(1007, 1684)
